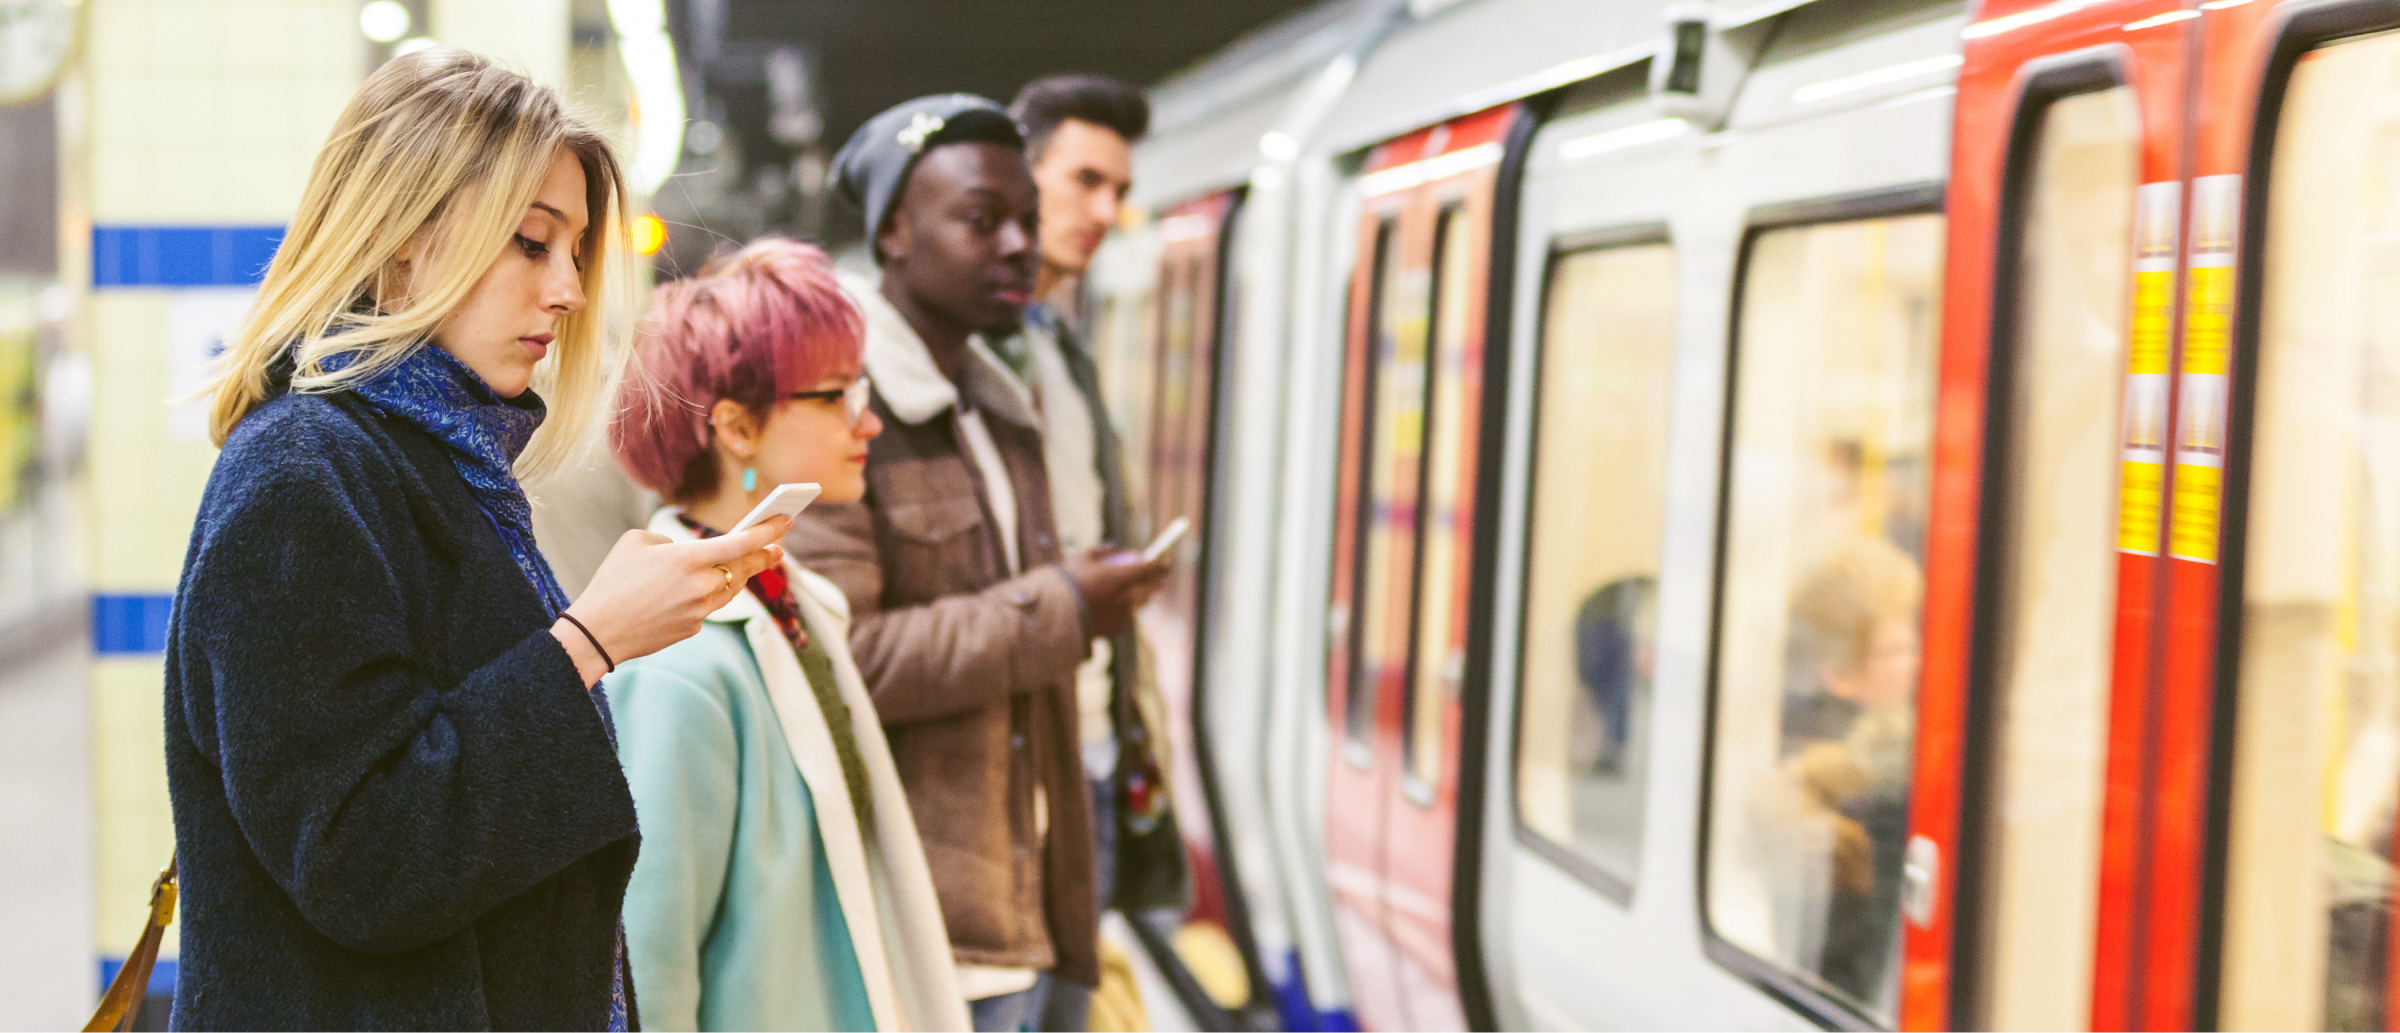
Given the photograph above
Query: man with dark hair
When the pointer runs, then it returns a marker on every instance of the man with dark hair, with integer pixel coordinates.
(1080, 131)
(1079, 137)
(969, 617)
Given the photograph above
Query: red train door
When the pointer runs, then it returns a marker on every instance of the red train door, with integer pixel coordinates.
(2285, 582)
(2045, 775)
(1405, 519)
(1169, 455)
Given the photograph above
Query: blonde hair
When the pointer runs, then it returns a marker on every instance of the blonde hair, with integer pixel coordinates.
(1864, 584)
(451, 144)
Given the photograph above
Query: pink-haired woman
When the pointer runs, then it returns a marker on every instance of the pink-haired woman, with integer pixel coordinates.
(781, 883)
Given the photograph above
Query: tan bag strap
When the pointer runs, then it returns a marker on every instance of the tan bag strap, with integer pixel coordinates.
(124, 997)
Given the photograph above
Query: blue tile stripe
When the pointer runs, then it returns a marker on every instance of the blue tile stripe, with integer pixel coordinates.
(162, 976)
(130, 625)
(182, 256)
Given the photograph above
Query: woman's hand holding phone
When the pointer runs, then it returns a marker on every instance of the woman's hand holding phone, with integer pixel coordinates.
(651, 593)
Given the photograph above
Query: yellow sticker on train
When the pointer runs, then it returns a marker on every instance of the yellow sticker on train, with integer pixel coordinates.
(2198, 496)
(2208, 319)
(2158, 214)
(2198, 493)
(2153, 292)
(2137, 507)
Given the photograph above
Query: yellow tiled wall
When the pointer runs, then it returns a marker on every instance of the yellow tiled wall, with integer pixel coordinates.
(531, 35)
(205, 113)
(200, 113)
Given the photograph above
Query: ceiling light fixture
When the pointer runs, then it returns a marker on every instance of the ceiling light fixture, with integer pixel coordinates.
(383, 21)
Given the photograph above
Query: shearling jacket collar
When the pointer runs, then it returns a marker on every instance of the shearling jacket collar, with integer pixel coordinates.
(906, 376)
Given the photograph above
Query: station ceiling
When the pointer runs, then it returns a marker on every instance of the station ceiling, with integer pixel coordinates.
(867, 55)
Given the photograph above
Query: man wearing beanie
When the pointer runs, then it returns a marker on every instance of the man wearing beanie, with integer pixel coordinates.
(968, 619)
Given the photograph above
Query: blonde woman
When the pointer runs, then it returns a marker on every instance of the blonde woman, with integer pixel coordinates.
(782, 885)
(397, 800)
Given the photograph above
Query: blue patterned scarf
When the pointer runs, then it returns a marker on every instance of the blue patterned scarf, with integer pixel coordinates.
(438, 394)
(442, 397)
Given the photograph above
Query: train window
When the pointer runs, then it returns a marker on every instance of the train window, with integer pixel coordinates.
(2316, 748)
(1440, 659)
(1393, 447)
(1591, 558)
(1124, 341)
(1182, 351)
(1121, 349)
(2055, 650)
(1816, 665)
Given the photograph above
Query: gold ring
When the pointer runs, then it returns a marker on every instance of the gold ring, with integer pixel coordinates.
(728, 576)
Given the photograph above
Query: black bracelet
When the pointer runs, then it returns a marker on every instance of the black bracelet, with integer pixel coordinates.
(591, 638)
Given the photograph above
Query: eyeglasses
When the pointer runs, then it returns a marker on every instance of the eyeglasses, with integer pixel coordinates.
(853, 398)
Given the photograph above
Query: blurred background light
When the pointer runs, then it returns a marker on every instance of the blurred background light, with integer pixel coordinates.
(410, 46)
(649, 58)
(383, 21)
(703, 137)
(646, 234)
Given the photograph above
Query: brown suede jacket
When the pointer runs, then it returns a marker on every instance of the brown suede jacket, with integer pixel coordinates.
(972, 669)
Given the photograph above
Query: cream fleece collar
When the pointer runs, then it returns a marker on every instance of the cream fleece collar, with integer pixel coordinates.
(905, 374)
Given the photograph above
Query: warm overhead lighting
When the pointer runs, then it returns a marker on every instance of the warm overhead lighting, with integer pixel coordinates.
(646, 234)
(383, 21)
(1402, 177)
(2169, 18)
(1618, 139)
(410, 46)
(1278, 145)
(1814, 92)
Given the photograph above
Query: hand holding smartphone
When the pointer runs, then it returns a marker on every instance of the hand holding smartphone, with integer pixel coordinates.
(1166, 540)
(785, 500)
(1158, 547)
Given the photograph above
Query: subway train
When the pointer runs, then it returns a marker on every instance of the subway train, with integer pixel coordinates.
(1780, 514)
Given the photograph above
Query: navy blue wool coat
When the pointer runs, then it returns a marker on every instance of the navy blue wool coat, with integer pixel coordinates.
(395, 805)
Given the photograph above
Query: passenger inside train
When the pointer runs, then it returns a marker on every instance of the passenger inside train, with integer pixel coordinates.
(1328, 514)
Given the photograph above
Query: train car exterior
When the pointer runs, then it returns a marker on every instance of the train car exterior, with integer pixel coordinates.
(1854, 513)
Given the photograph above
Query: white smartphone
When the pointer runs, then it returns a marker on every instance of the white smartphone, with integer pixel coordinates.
(785, 500)
(1166, 540)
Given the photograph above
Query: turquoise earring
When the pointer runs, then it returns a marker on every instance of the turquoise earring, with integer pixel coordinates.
(750, 480)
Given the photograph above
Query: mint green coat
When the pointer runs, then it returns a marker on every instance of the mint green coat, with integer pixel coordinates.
(757, 902)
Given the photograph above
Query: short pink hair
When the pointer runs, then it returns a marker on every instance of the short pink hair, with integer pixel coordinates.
(755, 326)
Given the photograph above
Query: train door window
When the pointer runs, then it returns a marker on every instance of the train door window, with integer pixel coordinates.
(2316, 746)
(1120, 344)
(1440, 662)
(2052, 658)
(1129, 371)
(1393, 447)
(1183, 406)
(1816, 664)
(1598, 521)
(1181, 343)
